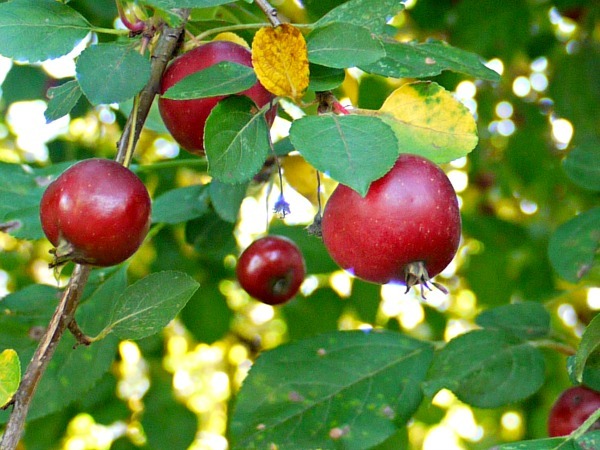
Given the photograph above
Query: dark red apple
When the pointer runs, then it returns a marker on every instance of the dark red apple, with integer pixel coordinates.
(96, 212)
(185, 119)
(271, 269)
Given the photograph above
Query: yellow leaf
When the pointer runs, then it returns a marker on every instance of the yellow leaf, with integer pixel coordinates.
(231, 37)
(430, 122)
(280, 60)
(302, 177)
(10, 375)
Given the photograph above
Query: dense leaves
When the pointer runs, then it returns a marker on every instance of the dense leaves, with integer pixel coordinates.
(503, 96)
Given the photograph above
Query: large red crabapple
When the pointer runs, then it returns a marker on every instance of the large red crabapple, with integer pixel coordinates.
(96, 212)
(406, 229)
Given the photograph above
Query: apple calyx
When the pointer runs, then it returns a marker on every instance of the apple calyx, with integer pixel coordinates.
(62, 254)
(281, 285)
(415, 273)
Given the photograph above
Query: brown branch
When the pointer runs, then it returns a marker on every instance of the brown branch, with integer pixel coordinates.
(269, 11)
(80, 336)
(65, 312)
(165, 47)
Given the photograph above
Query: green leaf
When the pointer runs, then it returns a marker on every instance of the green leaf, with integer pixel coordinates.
(342, 45)
(111, 73)
(324, 303)
(420, 60)
(227, 199)
(36, 30)
(354, 150)
(148, 305)
(63, 383)
(26, 223)
(63, 99)
(590, 341)
(25, 82)
(591, 370)
(180, 205)
(365, 299)
(207, 315)
(315, 255)
(223, 78)
(170, 4)
(10, 375)
(347, 390)
(236, 140)
(18, 189)
(371, 14)
(211, 236)
(589, 441)
(20, 194)
(325, 78)
(574, 244)
(528, 320)
(487, 369)
(582, 165)
(540, 444)
(575, 89)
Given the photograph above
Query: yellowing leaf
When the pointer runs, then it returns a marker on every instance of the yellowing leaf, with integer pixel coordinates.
(430, 122)
(231, 37)
(280, 60)
(303, 178)
(10, 375)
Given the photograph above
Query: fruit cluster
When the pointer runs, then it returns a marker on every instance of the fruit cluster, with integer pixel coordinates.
(406, 229)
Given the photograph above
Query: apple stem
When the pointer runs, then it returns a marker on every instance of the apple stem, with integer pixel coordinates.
(136, 27)
(328, 103)
(281, 206)
(339, 108)
(269, 11)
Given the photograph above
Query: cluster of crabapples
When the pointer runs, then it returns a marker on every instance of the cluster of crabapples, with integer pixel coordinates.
(406, 229)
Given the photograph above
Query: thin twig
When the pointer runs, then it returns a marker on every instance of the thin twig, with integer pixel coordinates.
(80, 336)
(269, 11)
(64, 313)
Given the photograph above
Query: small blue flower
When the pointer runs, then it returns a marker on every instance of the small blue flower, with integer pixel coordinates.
(282, 207)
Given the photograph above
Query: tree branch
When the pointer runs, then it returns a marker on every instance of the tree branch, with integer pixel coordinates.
(165, 47)
(269, 11)
(65, 312)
